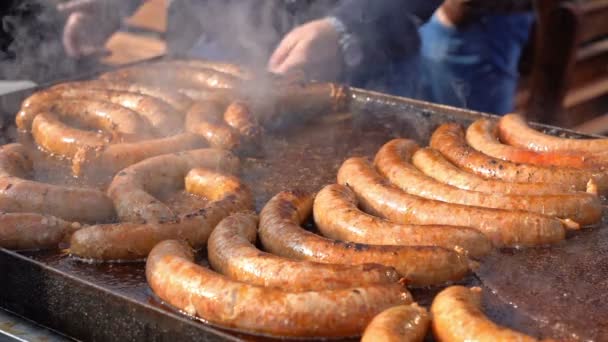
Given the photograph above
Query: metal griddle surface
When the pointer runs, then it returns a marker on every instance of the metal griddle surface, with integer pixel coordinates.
(538, 291)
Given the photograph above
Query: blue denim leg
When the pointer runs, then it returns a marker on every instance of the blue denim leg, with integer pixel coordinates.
(474, 67)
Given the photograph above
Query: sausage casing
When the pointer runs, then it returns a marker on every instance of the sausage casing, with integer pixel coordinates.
(173, 276)
(503, 227)
(338, 217)
(24, 231)
(232, 253)
(397, 324)
(281, 234)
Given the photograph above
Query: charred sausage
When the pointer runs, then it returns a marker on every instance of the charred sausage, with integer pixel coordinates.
(133, 241)
(513, 130)
(107, 160)
(133, 188)
(24, 231)
(338, 217)
(450, 141)
(402, 323)
(503, 227)
(457, 317)
(281, 234)
(434, 165)
(18, 194)
(393, 162)
(173, 276)
(481, 135)
(232, 253)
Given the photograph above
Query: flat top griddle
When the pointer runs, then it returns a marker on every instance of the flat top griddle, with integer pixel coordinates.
(113, 302)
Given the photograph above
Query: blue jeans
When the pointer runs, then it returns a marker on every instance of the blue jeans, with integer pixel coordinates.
(474, 67)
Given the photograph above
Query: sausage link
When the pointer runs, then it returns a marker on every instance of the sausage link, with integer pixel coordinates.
(106, 116)
(403, 323)
(281, 234)
(450, 141)
(69, 203)
(108, 160)
(434, 165)
(133, 188)
(161, 116)
(25, 231)
(338, 217)
(232, 253)
(226, 68)
(176, 75)
(513, 130)
(392, 161)
(179, 102)
(482, 136)
(177, 280)
(133, 241)
(503, 227)
(457, 317)
(205, 118)
(239, 117)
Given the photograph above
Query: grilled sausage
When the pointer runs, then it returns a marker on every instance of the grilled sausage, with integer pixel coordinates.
(239, 117)
(481, 135)
(513, 130)
(457, 317)
(24, 231)
(232, 253)
(106, 116)
(176, 75)
(173, 276)
(179, 102)
(392, 161)
(113, 158)
(205, 118)
(503, 227)
(133, 188)
(403, 323)
(450, 141)
(61, 140)
(338, 217)
(434, 165)
(281, 234)
(226, 68)
(133, 241)
(21, 195)
(163, 118)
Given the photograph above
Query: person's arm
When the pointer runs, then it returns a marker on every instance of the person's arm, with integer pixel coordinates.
(460, 12)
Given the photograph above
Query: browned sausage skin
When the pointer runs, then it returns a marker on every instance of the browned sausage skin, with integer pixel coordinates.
(402, 323)
(24, 231)
(457, 316)
(281, 234)
(238, 116)
(18, 194)
(133, 241)
(393, 162)
(338, 217)
(482, 136)
(226, 68)
(162, 117)
(232, 253)
(133, 189)
(177, 75)
(108, 160)
(450, 141)
(503, 227)
(205, 119)
(513, 130)
(434, 165)
(173, 276)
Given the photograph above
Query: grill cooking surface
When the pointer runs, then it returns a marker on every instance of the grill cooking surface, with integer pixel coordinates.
(540, 290)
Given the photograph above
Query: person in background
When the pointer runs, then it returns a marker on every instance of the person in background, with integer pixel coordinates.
(470, 52)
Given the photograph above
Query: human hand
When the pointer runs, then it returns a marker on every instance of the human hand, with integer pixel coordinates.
(312, 48)
(88, 26)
